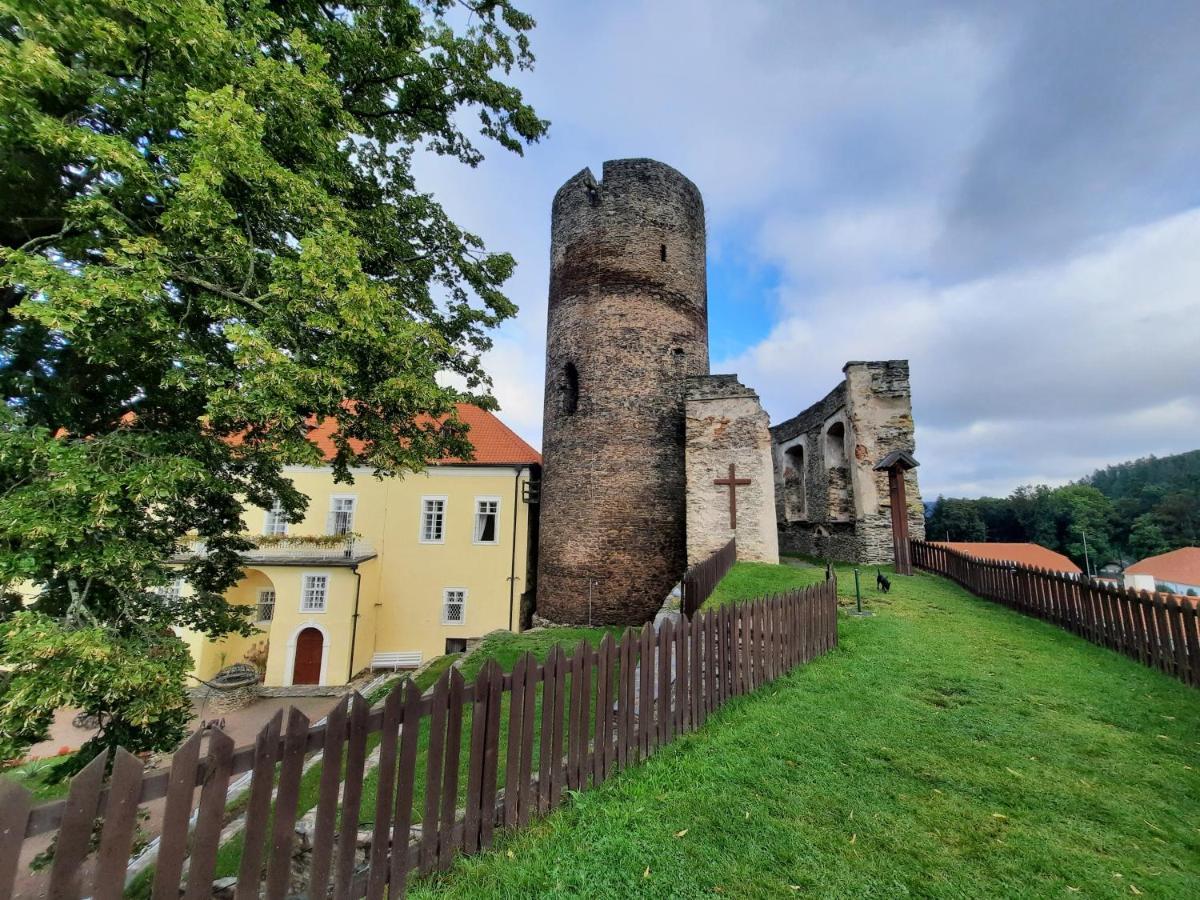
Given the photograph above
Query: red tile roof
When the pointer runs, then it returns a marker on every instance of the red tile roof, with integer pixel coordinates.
(1180, 566)
(495, 443)
(1026, 554)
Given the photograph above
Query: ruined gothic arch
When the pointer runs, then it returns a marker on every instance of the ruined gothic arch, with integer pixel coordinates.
(835, 444)
(795, 481)
(839, 481)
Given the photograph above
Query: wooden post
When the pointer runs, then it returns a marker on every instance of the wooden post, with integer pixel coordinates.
(896, 464)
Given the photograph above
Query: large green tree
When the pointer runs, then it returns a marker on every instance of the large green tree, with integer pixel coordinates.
(211, 238)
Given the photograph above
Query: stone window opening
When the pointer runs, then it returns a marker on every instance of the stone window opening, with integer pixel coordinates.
(570, 389)
(835, 446)
(794, 484)
(662, 252)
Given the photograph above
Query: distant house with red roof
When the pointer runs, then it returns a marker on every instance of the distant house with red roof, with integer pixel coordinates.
(1178, 571)
(1026, 554)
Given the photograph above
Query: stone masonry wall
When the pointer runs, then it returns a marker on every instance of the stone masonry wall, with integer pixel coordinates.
(873, 405)
(879, 407)
(727, 424)
(627, 326)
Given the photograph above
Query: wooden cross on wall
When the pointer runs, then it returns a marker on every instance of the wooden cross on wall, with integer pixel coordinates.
(733, 483)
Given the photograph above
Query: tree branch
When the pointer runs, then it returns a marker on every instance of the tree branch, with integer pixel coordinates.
(220, 291)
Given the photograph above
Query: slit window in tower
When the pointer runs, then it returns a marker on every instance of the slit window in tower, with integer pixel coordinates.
(662, 252)
(570, 389)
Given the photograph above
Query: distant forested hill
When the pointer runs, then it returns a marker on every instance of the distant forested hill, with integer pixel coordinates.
(1127, 511)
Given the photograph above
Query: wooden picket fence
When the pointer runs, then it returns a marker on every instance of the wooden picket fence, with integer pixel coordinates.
(1158, 630)
(453, 764)
(702, 579)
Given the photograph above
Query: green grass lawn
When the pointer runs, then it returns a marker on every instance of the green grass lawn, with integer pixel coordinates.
(40, 778)
(948, 747)
(750, 580)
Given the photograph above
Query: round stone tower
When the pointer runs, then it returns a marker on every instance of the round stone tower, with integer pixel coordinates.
(628, 324)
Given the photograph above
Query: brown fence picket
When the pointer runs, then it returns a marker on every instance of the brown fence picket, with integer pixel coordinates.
(683, 676)
(1191, 627)
(172, 846)
(575, 669)
(549, 689)
(385, 785)
(666, 663)
(711, 652)
(562, 673)
(15, 806)
(116, 838)
(646, 691)
(454, 712)
(475, 761)
(696, 664)
(623, 700)
(351, 805)
(262, 783)
(202, 864)
(602, 742)
(528, 796)
(287, 798)
(512, 766)
(325, 822)
(75, 832)
(406, 775)
(491, 737)
(581, 706)
(435, 752)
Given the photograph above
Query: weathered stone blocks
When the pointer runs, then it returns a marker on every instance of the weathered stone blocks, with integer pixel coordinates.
(627, 325)
(829, 501)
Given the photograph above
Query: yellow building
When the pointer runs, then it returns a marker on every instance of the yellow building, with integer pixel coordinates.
(385, 573)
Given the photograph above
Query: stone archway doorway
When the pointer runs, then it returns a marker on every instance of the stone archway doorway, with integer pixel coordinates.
(310, 647)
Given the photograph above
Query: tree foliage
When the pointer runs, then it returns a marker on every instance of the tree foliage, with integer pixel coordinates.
(210, 240)
(1129, 511)
(133, 685)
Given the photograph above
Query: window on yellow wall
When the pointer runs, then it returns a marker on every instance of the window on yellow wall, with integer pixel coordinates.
(313, 593)
(266, 605)
(274, 522)
(454, 606)
(433, 520)
(341, 514)
(487, 520)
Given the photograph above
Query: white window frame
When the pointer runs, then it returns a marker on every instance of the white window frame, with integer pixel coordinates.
(259, 604)
(475, 523)
(462, 619)
(421, 523)
(272, 521)
(173, 590)
(330, 525)
(304, 588)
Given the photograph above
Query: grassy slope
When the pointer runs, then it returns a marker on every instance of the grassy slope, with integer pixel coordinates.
(948, 747)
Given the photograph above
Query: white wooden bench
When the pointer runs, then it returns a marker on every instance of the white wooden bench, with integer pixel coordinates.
(401, 659)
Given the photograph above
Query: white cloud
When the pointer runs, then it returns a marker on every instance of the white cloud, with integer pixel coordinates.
(993, 192)
(1039, 374)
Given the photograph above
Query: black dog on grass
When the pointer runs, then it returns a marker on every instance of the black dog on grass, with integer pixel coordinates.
(882, 581)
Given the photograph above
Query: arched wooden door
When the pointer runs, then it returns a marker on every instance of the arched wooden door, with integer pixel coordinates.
(310, 644)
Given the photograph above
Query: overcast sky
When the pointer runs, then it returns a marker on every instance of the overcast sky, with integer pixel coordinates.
(1007, 195)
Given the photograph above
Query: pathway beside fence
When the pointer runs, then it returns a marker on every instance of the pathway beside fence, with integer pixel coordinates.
(1158, 630)
(454, 764)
